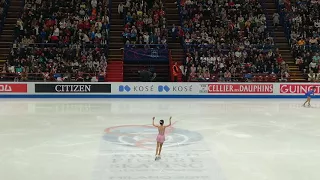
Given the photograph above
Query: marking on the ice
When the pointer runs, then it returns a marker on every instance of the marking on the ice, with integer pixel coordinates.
(242, 135)
(100, 118)
(268, 114)
(308, 116)
(231, 133)
(66, 155)
(74, 144)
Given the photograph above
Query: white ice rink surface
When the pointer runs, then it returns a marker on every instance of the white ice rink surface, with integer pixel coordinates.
(112, 140)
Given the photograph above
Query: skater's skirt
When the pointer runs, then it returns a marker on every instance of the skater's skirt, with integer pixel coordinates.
(160, 138)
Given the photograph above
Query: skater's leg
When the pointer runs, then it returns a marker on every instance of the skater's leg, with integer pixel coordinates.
(158, 144)
(160, 148)
(309, 99)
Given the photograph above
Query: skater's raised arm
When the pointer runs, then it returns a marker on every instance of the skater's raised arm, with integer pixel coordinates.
(169, 122)
(153, 122)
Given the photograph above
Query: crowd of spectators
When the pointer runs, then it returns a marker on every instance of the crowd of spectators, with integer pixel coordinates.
(64, 22)
(228, 41)
(55, 63)
(303, 21)
(237, 64)
(308, 62)
(143, 25)
(224, 22)
(60, 39)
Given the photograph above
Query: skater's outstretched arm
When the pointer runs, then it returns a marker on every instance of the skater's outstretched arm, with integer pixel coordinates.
(153, 122)
(169, 122)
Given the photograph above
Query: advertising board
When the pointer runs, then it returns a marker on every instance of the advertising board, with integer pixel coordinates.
(13, 88)
(156, 90)
(226, 88)
(298, 88)
(72, 88)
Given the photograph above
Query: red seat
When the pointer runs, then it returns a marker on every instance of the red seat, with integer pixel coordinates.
(273, 78)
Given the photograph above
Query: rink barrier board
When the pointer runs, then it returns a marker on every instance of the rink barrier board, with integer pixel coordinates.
(50, 96)
(154, 90)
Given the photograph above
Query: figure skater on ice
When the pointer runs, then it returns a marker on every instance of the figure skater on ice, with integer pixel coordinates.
(308, 95)
(161, 136)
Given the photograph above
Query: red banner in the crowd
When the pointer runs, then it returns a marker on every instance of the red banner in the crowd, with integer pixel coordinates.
(298, 88)
(13, 88)
(240, 88)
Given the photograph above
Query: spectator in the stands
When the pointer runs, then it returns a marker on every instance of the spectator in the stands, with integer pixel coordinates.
(311, 76)
(175, 72)
(299, 62)
(120, 9)
(174, 32)
(276, 19)
(313, 66)
(284, 76)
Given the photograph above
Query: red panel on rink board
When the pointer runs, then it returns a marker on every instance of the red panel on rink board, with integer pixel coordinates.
(240, 88)
(298, 88)
(13, 88)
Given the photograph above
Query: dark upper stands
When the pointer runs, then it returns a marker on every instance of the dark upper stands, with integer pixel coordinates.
(3, 12)
(228, 42)
(302, 22)
(223, 40)
(233, 23)
(63, 22)
(144, 23)
(61, 39)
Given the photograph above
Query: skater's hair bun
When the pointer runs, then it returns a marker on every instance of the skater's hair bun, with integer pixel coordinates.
(161, 122)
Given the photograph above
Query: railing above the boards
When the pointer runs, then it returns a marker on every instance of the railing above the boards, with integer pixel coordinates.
(146, 46)
(60, 45)
(52, 77)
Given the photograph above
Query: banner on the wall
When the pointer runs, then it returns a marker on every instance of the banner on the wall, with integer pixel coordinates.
(146, 55)
(73, 88)
(298, 88)
(156, 88)
(13, 88)
(236, 88)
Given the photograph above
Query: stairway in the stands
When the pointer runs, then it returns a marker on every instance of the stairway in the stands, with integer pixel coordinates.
(6, 37)
(282, 43)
